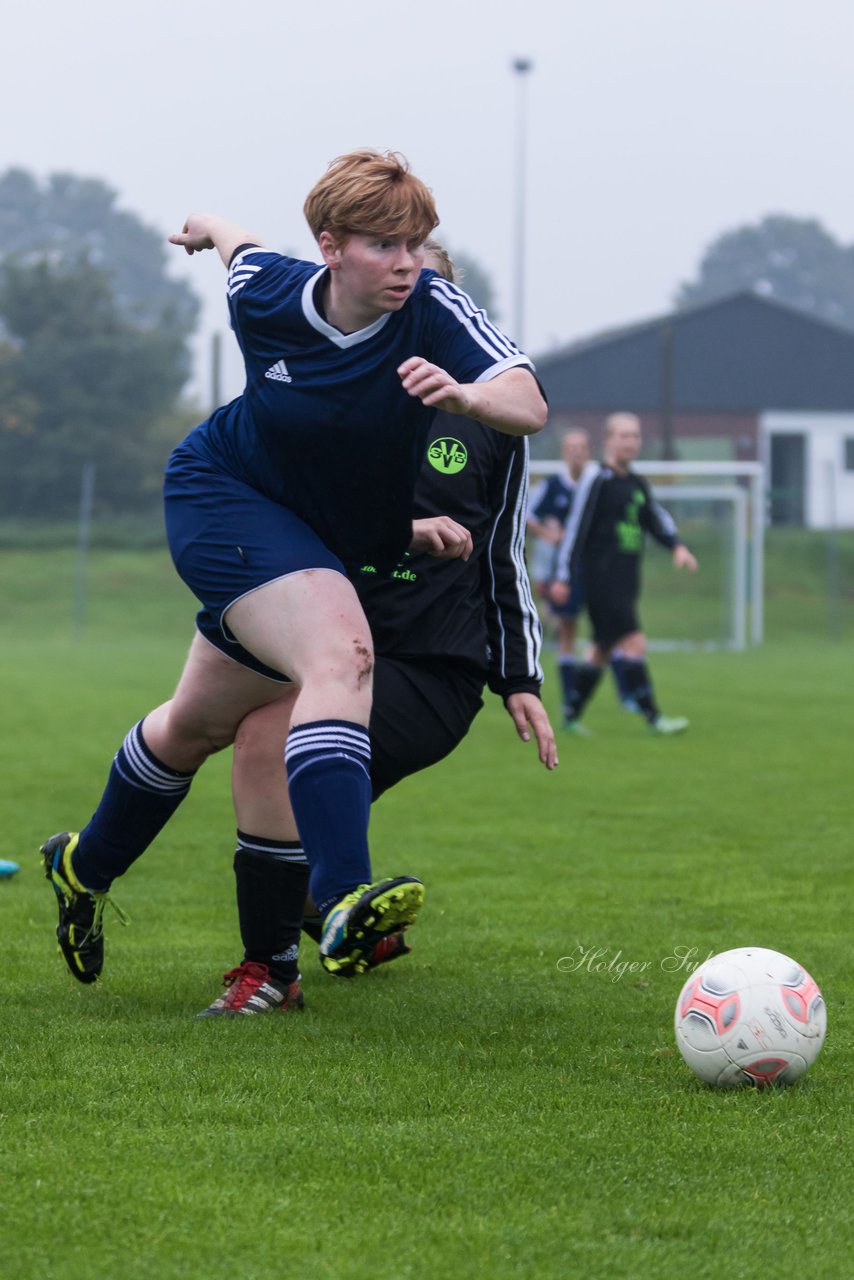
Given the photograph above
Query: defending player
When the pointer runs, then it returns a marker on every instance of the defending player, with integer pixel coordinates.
(604, 538)
(442, 629)
(269, 501)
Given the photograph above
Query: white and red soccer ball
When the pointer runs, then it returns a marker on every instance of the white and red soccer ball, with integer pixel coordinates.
(750, 1016)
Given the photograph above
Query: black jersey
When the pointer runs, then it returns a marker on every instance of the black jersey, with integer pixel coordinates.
(610, 516)
(478, 611)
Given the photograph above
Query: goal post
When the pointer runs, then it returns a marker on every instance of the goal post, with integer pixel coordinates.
(719, 508)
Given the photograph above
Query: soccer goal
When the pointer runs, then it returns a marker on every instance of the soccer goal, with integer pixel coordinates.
(719, 509)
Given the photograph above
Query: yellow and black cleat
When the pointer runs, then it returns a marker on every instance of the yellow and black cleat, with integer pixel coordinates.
(80, 930)
(360, 920)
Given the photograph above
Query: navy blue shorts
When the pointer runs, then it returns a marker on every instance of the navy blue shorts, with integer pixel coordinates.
(221, 638)
(576, 602)
(227, 539)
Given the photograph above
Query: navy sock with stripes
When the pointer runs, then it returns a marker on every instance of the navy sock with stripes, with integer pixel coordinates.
(141, 795)
(638, 684)
(587, 678)
(567, 667)
(272, 883)
(329, 782)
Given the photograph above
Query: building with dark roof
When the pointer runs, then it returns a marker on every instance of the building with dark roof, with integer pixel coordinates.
(743, 378)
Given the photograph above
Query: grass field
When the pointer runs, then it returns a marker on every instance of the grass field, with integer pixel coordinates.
(476, 1110)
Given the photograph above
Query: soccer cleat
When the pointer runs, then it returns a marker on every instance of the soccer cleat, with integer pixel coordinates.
(8, 869)
(80, 930)
(667, 725)
(576, 727)
(252, 989)
(389, 948)
(360, 920)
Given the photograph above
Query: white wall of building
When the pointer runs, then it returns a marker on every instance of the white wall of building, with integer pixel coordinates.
(828, 485)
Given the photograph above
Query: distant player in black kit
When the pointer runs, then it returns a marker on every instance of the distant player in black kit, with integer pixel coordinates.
(614, 508)
(438, 639)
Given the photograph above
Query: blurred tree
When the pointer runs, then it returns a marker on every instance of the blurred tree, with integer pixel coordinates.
(70, 218)
(82, 384)
(793, 260)
(17, 408)
(94, 346)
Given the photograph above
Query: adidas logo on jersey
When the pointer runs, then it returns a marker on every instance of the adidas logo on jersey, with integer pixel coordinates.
(278, 372)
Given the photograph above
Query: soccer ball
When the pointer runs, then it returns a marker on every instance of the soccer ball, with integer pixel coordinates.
(750, 1016)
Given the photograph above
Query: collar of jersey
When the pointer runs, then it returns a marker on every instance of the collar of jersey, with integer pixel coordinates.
(316, 320)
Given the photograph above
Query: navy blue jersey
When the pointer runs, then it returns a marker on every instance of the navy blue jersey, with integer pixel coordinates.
(472, 619)
(324, 426)
(552, 498)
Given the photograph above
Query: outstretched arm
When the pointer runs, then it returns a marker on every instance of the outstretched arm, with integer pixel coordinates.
(660, 523)
(510, 402)
(683, 559)
(657, 520)
(208, 231)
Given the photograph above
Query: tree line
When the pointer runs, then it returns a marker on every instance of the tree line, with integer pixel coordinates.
(94, 348)
(94, 334)
(795, 261)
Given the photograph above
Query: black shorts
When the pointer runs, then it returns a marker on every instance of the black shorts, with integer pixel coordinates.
(612, 616)
(612, 623)
(422, 710)
(613, 584)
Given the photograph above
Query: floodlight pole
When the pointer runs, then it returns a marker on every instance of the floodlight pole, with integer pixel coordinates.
(521, 67)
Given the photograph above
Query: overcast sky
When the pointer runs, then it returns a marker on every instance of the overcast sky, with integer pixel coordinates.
(652, 126)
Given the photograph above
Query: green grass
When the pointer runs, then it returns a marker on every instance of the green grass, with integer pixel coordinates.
(809, 593)
(474, 1110)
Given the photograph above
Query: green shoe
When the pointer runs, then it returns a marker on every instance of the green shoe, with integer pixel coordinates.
(577, 728)
(372, 911)
(667, 725)
(80, 930)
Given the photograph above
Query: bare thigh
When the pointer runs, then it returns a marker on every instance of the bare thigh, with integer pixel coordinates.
(213, 695)
(310, 625)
